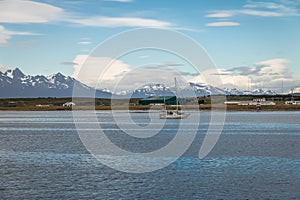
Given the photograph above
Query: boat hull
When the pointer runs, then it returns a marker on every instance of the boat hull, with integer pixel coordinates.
(173, 116)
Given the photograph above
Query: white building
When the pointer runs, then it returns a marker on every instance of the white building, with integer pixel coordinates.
(69, 104)
(292, 103)
(254, 102)
(232, 102)
(259, 100)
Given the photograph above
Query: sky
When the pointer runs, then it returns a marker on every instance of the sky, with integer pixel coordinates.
(254, 44)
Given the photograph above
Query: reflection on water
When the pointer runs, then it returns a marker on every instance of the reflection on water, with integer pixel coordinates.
(257, 156)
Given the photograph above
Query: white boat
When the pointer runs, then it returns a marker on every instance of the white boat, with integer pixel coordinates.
(173, 114)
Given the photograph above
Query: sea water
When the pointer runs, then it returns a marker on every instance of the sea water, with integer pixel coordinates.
(256, 157)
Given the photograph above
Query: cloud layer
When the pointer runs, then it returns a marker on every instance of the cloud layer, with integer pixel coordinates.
(26, 11)
(117, 75)
(101, 21)
(104, 72)
(259, 9)
(216, 24)
(98, 70)
(19, 11)
(268, 74)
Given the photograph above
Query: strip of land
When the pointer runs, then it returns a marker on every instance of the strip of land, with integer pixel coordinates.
(56, 104)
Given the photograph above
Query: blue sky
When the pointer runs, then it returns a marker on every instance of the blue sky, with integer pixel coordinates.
(44, 37)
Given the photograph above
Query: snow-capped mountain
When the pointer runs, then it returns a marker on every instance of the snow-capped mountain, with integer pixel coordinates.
(205, 90)
(152, 90)
(190, 90)
(263, 92)
(146, 91)
(15, 84)
(238, 92)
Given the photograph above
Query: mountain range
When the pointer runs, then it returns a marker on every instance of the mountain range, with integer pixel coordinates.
(15, 84)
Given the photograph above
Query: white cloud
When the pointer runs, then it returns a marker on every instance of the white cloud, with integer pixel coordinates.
(84, 42)
(101, 21)
(280, 8)
(138, 77)
(219, 24)
(220, 15)
(26, 11)
(3, 38)
(188, 29)
(261, 9)
(91, 70)
(274, 69)
(105, 72)
(117, 75)
(23, 11)
(214, 77)
(268, 74)
(252, 12)
(269, 5)
(5, 35)
(260, 13)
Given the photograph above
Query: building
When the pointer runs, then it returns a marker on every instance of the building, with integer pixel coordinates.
(68, 104)
(292, 103)
(259, 100)
(43, 105)
(161, 100)
(254, 102)
(232, 102)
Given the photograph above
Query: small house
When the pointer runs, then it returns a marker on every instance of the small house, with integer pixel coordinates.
(68, 104)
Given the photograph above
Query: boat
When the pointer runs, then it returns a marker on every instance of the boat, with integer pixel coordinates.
(173, 114)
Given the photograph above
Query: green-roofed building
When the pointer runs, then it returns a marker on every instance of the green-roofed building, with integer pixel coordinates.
(159, 100)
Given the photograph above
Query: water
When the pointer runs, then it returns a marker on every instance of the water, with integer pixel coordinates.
(256, 157)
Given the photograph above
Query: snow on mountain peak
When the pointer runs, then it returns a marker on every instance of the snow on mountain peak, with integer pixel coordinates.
(14, 74)
(9, 73)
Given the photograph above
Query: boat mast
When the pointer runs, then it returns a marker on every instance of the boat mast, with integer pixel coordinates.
(165, 97)
(176, 93)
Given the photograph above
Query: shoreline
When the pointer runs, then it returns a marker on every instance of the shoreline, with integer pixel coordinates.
(228, 108)
(56, 104)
